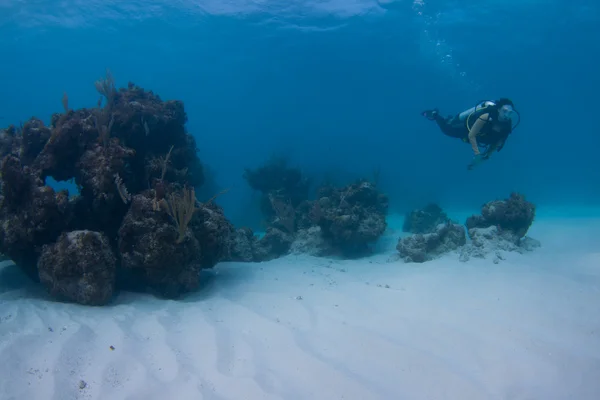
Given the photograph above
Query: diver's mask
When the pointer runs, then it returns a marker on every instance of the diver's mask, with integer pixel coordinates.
(508, 113)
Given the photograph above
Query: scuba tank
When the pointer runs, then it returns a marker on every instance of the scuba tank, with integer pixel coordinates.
(465, 114)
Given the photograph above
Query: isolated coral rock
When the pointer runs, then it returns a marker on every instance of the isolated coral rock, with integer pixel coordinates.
(424, 247)
(79, 267)
(514, 214)
(492, 241)
(424, 220)
(351, 218)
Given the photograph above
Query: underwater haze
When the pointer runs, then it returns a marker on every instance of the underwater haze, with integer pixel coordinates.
(186, 263)
(337, 86)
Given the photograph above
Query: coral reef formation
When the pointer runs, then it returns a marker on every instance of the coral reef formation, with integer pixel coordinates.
(134, 224)
(340, 221)
(501, 227)
(350, 218)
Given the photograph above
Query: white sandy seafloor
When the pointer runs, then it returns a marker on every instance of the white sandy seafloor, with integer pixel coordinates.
(309, 328)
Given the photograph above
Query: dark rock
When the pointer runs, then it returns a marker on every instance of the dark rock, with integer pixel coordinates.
(35, 137)
(150, 254)
(79, 267)
(213, 232)
(9, 141)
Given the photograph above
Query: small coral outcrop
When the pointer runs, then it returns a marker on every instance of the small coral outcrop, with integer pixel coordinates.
(350, 218)
(501, 227)
(341, 221)
(421, 247)
(514, 215)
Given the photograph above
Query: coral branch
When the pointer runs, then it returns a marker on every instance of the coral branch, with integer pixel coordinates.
(123, 192)
(181, 208)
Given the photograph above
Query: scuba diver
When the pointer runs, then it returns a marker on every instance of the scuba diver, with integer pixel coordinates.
(488, 124)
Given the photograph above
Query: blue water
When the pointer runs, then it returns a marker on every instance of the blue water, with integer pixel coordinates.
(335, 85)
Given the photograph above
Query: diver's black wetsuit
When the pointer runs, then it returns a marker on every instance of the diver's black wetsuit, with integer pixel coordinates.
(455, 128)
(452, 126)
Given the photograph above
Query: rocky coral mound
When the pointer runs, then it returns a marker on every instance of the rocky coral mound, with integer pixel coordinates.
(423, 247)
(351, 218)
(501, 227)
(424, 220)
(514, 214)
(136, 168)
(341, 221)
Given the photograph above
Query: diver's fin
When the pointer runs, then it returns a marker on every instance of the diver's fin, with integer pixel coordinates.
(430, 114)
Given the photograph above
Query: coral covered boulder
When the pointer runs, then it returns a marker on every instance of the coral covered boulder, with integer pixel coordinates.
(213, 231)
(514, 214)
(164, 244)
(79, 267)
(423, 247)
(154, 253)
(351, 218)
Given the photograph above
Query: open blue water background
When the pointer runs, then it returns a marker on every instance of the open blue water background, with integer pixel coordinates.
(335, 85)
